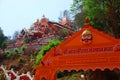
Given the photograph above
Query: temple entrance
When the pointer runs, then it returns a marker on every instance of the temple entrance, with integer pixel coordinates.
(87, 49)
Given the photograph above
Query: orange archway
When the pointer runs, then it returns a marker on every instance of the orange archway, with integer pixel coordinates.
(88, 48)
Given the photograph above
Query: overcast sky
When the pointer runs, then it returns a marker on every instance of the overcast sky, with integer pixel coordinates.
(18, 14)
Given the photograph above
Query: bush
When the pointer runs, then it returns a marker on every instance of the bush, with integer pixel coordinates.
(45, 49)
(16, 50)
(51, 43)
(64, 33)
(20, 60)
(38, 59)
(23, 48)
(7, 53)
(27, 40)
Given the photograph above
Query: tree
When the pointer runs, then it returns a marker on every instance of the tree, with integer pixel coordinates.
(15, 35)
(78, 21)
(3, 40)
(113, 16)
(103, 14)
(63, 14)
(4, 44)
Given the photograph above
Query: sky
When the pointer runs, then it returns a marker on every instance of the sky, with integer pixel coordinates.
(18, 14)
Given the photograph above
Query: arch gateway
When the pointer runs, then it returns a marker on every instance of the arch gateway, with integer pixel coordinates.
(88, 48)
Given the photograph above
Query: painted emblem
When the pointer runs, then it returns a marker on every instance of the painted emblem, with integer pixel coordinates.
(87, 36)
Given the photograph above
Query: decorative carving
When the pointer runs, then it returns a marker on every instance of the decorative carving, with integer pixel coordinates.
(87, 37)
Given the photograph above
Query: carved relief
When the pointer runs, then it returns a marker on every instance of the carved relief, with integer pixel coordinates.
(87, 36)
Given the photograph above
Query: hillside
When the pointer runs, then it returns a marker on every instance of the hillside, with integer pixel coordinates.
(21, 61)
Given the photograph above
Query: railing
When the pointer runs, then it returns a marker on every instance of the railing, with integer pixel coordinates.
(11, 75)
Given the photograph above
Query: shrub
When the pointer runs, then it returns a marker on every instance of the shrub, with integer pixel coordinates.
(7, 53)
(45, 49)
(38, 59)
(23, 48)
(20, 60)
(51, 43)
(16, 50)
(27, 40)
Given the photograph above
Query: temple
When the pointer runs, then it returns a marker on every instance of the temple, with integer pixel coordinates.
(43, 28)
(88, 48)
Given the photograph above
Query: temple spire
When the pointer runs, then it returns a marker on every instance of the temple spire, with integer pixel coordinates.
(43, 16)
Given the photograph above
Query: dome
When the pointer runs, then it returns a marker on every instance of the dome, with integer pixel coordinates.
(44, 19)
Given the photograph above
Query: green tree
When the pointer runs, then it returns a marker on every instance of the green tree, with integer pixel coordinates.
(103, 14)
(113, 16)
(3, 40)
(78, 20)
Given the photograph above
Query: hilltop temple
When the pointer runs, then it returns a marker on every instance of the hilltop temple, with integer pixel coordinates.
(44, 27)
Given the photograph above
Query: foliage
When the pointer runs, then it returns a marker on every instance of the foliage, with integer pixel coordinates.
(63, 33)
(76, 6)
(39, 57)
(27, 39)
(3, 40)
(23, 48)
(96, 11)
(7, 53)
(21, 59)
(93, 9)
(78, 21)
(113, 16)
(16, 50)
(4, 44)
(44, 49)
(103, 14)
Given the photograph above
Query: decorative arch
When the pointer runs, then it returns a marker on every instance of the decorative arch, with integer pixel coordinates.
(102, 52)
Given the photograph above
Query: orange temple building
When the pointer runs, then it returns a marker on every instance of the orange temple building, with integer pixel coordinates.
(88, 48)
(43, 28)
